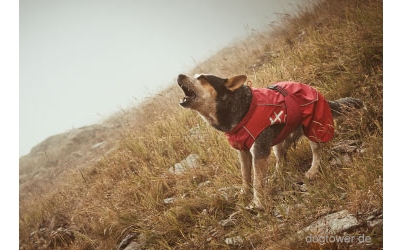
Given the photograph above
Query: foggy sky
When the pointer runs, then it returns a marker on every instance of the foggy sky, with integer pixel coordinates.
(81, 61)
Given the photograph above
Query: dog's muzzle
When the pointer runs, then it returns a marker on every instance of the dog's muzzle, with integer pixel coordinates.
(190, 95)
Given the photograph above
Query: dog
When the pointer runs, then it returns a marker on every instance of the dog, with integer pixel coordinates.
(255, 120)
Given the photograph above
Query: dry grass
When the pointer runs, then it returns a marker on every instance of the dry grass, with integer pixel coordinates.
(335, 46)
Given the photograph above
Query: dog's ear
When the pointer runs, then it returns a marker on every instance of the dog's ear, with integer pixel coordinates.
(235, 82)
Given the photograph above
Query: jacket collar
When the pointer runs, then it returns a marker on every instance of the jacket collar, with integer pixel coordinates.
(248, 115)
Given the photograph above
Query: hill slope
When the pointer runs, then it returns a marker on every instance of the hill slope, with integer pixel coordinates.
(130, 195)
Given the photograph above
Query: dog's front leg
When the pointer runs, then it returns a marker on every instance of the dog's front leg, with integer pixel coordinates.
(260, 174)
(260, 151)
(245, 164)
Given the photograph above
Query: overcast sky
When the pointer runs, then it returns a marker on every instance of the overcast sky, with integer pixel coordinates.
(81, 61)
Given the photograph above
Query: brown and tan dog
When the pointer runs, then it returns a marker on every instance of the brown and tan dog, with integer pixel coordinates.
(258, 119)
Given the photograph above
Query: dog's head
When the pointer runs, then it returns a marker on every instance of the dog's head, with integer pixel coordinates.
(207, 93)
(201, 90)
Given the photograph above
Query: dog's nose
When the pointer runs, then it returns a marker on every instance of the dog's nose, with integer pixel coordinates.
(181, 77)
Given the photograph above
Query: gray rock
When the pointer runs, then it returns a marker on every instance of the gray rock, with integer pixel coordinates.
(375, 223)
(191, 161)
(341, 160)
(126, 241)
(332, 224)
(98, 145)
(348, 146)
(235, 241)
(229, 193)
(133, 246)
(281, 211)
(227, 223)
(169, 200)
(375, 220)
(303, 188)
(205, 183)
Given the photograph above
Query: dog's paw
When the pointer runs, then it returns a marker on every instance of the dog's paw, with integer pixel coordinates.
(244, 194)
(254, 209)
(245, 191)
(256, 205)
(310, 174)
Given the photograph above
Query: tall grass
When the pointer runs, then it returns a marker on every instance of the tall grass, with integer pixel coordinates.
(335, 46)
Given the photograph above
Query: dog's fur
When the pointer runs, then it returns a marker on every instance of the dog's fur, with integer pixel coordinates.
(224, 102)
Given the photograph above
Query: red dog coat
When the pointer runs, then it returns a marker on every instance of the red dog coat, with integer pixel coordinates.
(289, 103)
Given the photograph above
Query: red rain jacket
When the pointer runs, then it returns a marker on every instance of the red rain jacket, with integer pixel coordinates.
(289, 103)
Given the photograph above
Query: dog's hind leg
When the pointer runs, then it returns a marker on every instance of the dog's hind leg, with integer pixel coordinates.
(316, 160)
(245, 165)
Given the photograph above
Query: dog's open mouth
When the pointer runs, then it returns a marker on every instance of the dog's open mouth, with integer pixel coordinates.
(190, 95)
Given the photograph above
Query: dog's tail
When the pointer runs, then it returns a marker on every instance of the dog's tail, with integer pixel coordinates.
(344, 105)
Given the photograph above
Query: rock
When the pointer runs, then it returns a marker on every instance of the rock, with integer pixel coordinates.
(227, 223)
(195, 134)
(332, 224)
(205, 183)
(133, 246)
(235, 241)
(375, 223)
(169, 200)
(375, 220)
(126, 241)
(300, 186)
(338, 223)
(229, 193)
(191, 161)
(281, 211)
(98, 145)
(341, 160)
(346, 146)
(344, 150)
(303, 188)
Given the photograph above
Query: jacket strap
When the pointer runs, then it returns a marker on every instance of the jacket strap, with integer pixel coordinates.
(281, 90)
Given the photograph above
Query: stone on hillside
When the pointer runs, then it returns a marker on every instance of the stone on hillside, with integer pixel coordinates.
(229, 193)
(332, 224)
(346, 146)
(235, 241)
(344, 150)
(205, 183)
(227, 223)
(169, 200)
(129, 243)
(133, 246)
(98, 145)
(191, 161)
(341, 160)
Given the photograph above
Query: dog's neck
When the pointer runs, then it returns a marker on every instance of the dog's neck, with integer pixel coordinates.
(232, 110)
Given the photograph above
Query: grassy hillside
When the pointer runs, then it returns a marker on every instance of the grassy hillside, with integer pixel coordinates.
(335, 46)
